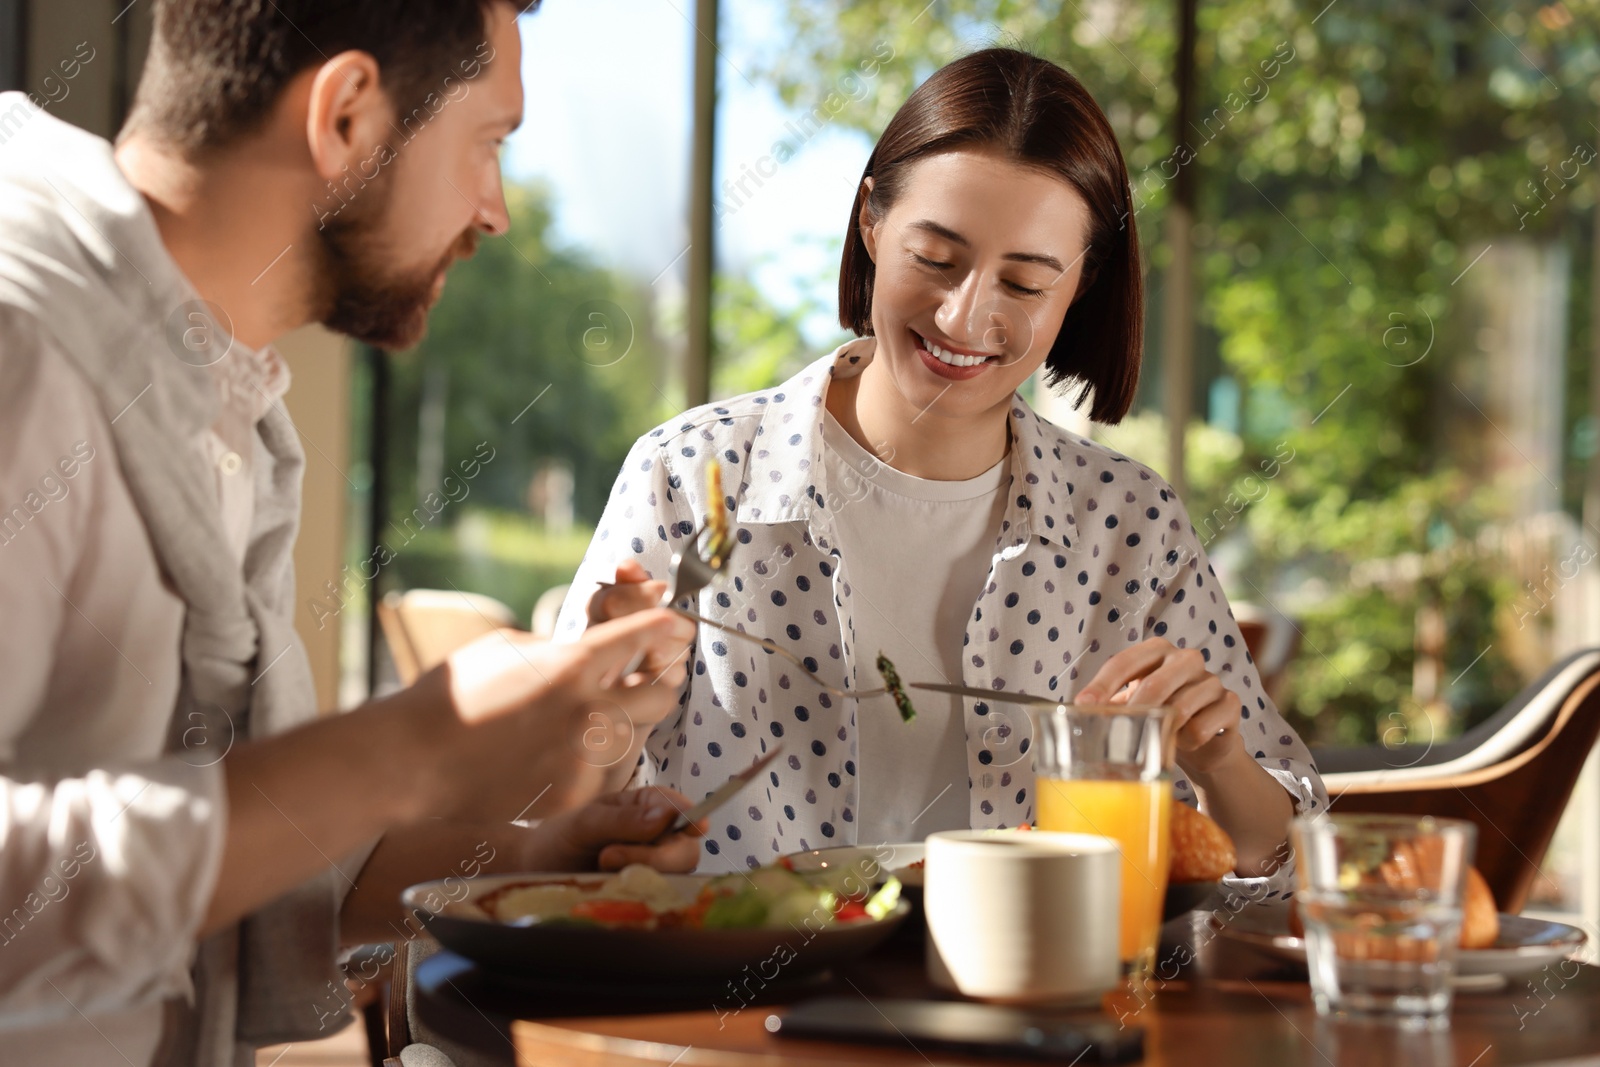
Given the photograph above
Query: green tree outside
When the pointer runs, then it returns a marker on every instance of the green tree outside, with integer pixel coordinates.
(1350, 164)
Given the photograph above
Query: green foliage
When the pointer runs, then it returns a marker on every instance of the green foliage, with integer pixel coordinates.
(1349, 165)
(757, 345)
(523, 320)
(503, 554)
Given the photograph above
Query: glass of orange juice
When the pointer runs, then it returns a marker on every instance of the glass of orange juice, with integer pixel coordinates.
(1106, 769)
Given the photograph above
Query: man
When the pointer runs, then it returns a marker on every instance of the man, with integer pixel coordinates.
(284, 163)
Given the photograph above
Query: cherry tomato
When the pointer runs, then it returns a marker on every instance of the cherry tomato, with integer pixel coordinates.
(613, 911)
(851, 911)
(694, 915)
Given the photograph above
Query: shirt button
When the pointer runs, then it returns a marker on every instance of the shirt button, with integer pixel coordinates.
(987, 781)
(230, 463)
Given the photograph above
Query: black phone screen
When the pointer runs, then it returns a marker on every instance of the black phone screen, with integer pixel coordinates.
(980, 1029)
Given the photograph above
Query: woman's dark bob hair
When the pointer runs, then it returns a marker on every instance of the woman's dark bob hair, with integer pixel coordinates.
(1039, 115)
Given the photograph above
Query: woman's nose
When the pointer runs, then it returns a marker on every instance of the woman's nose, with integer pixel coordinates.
(976, 314)
(957, 315)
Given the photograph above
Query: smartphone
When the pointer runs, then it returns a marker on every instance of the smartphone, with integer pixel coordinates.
(955, 1026)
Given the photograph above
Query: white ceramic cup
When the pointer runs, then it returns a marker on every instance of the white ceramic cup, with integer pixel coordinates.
(1023, 918)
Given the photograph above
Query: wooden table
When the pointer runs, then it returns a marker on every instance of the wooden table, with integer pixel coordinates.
(1215, 1001)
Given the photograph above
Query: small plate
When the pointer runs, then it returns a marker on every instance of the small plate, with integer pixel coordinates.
(1525, 945)
(452, 914)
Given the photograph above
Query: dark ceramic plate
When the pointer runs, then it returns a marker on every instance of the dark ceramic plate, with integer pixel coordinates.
(596, 953)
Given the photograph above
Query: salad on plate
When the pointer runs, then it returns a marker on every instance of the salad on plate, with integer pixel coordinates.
(640, 898)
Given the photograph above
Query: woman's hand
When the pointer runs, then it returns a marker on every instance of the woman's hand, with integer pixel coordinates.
(1231, 786)
(615, 830)
(513, 727)
(1158, 672)
(632, 591)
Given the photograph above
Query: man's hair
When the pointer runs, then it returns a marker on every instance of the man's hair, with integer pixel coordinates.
(1036, 114)
(217, 67)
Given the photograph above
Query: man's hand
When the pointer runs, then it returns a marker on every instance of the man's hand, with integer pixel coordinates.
(615, 830)
(606, 834)
(524, 727)
(506, 728)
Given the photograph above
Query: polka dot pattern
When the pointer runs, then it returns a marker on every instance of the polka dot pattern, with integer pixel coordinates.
(1095, 552)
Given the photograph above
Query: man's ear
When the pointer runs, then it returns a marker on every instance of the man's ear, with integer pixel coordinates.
(869, 229)
(347, 113)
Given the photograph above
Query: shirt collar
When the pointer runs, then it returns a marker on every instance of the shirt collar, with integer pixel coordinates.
(786, 479)
(249, 381)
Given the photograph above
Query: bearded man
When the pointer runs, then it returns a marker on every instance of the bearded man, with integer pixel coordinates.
(284, 163)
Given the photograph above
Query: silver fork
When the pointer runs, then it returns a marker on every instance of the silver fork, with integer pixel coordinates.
(688, 573)
(691, 572)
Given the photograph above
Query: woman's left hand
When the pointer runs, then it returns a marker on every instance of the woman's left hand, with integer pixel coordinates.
(615, 830)
(1158, 672)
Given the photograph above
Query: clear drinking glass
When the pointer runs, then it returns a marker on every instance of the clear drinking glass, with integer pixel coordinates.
(1106, 769)
(1380, 897)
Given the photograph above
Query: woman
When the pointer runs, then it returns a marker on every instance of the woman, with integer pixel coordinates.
(899, 496)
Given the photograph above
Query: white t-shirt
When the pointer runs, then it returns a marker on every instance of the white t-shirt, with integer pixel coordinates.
(918, 554)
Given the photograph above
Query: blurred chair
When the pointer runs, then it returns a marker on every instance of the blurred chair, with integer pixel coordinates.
(1511, 774)
(365, 970)
(546, 610)
(423, 626)
(397, 1023)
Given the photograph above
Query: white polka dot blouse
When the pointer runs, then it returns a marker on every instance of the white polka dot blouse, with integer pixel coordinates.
(1095, 552)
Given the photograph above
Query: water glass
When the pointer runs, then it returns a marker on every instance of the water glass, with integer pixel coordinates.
(1381, 898)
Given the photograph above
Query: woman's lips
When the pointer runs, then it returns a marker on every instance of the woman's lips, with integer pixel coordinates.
(945, 370)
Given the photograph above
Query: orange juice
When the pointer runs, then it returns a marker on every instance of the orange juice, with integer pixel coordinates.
(1137, 816)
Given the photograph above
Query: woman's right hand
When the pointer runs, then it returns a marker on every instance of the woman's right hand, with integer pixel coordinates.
(632, 591)
(524, 728)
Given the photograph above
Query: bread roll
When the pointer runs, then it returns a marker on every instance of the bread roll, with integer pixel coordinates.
(1201, 850)
(1417, 863)
(1480, 920)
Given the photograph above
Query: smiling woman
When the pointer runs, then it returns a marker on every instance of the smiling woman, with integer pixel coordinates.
(1011, 152)
(898, 499)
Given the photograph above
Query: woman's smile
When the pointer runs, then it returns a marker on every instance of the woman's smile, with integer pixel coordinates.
(950, 361)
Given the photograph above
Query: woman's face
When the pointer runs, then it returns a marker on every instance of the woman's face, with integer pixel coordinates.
(976, 264)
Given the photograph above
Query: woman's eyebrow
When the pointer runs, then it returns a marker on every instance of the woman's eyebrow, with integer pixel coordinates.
(934, 228)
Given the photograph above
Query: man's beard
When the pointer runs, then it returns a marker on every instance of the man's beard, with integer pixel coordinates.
(363, 296)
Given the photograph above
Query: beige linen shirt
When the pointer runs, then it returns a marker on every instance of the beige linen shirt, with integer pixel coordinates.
(90, 658)
(140, 642)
